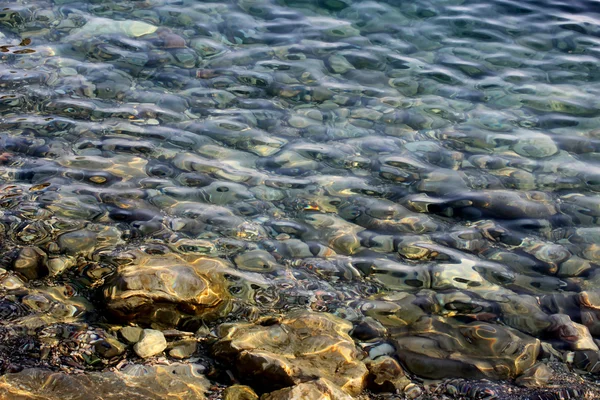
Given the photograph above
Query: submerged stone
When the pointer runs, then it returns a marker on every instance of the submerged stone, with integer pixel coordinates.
(177, 381)
(297, 348)
(109, 347)
(31, 263)
(427, 176)
(435, 348)
(318, 389)
(386, 375)
(102, 26)
(152, 342)
(131, 334)
(167, 289)
(239, 392)
(184, 349)
(537, 376)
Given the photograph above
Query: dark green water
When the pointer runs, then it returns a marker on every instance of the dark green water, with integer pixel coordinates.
(429, 167)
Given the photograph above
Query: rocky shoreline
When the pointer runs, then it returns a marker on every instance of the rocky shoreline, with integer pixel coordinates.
(301, 353)
(166, 377)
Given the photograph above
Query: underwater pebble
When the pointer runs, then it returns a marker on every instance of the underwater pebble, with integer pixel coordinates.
(184, 350)
(131, 334)
(152, 342)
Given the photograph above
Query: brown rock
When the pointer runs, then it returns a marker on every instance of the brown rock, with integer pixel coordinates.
(385, 375)
(239, 392)
(321, 389)
(368, 329)
(577, 336)
(590, 310)
(167, 289)
(436, 347)
(296, 349)
(31, 262)
(170, 40)
(536, 376)
(173, 382)
(109, 347)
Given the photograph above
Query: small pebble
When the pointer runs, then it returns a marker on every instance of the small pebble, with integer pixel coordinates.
(131, 334)
(152, 342)
(381, 350)
(109, 347)
(183, 350)
(412, 391)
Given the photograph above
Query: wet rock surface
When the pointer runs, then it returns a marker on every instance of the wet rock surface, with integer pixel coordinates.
(166, 289)
(151, 343)
(134, 382)
(239, 392)
(318, 389)
(299, 348)
(183, 349)
(386, 375)
(434, 348)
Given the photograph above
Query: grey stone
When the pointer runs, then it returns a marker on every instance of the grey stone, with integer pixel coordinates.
(131, 334)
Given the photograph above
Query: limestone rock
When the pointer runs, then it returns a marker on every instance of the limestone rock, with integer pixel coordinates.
(298, 348)
(321, 389)
(239, 392)
(167, 289)
(152, 342)
(386, 375)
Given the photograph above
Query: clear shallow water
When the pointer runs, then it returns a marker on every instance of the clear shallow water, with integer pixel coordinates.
(432, 166)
